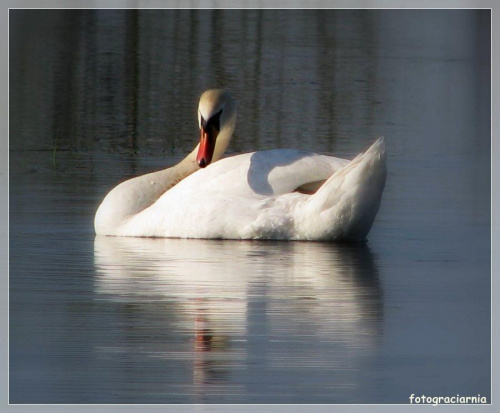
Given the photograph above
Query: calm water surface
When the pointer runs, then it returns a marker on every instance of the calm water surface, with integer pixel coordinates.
(98, 96)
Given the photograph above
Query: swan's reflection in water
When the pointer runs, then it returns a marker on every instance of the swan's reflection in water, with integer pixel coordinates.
(253, 317)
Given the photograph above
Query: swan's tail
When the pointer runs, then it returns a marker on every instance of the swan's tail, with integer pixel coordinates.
(345, 207)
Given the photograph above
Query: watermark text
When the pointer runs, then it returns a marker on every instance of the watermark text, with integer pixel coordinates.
(457, 399)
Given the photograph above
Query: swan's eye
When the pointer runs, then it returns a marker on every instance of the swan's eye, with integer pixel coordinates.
(214, 121)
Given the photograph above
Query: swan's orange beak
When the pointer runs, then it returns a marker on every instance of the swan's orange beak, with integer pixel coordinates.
(208, 138)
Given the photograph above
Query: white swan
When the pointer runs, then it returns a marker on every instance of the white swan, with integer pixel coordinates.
(274, 194)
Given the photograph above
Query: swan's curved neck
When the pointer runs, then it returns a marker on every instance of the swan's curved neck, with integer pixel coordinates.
(135, 195)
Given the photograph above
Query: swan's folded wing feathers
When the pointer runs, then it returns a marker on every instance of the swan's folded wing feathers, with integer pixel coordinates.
(291, 169)
(351, 197)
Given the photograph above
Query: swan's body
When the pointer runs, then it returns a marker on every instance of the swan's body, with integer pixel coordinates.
(276, 194)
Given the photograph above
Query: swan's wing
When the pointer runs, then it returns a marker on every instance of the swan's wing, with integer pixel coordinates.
(261, 174)
(285, 171)
(350, 199)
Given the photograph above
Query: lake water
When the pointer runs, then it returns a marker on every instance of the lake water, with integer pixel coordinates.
(97, 96)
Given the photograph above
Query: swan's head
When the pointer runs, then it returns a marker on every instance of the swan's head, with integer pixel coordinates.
(216, 119)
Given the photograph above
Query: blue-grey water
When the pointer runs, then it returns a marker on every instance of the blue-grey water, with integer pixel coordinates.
(97, 96)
